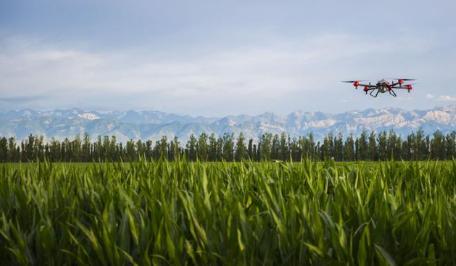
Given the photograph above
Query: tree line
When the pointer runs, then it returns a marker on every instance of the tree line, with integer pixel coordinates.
(368, 146)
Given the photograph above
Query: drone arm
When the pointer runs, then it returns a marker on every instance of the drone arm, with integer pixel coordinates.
(402, 88)
(366, 85)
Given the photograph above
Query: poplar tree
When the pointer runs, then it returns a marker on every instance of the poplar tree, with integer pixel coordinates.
(241, 151)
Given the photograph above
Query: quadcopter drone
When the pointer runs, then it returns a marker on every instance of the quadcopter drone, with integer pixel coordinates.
(383, 86)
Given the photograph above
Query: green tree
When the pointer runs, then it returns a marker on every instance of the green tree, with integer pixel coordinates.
(362, 147)
(86, 148)
(438, 151)
(450, 145)
(174, 148)
(264, 147)
(13, 154)
(202, 147)
(275, 147)
(130, 150)
(212, 148)
(191, 148)
(327, 148)
(382, 151)
(284, 150)
(228, 147)
(349, 149)
(372, 147)
(241, 151)
(162, 148)
(251, 152)
(338, 147)
(3, 149)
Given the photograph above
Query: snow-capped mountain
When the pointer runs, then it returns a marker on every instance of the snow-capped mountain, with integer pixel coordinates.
(153, 125)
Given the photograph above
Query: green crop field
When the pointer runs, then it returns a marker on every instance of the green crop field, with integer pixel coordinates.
(396, 213)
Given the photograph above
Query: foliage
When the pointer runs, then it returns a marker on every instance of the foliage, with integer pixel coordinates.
(228, 213)
(366, 147)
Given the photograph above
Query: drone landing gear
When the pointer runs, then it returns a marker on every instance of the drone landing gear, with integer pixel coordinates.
(392, 93)
(374, 95)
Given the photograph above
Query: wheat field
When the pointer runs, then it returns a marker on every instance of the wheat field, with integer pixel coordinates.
(247, 213)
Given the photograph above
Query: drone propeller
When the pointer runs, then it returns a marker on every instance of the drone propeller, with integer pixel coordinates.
(401, 79)
(351, 81)
(355, 83)
(409, 84)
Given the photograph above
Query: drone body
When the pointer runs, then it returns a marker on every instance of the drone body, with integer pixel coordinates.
(383, 86)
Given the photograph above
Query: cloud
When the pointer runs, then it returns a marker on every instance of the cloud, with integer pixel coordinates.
(21, 99)
(18, 102)
(250, 78)
(447, 98)
(430, 96)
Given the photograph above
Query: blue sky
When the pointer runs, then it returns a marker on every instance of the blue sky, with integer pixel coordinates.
(223, 57)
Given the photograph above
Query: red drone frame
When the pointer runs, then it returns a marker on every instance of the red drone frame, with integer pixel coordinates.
(383, 86)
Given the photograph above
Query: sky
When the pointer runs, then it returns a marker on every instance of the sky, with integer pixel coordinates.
(216, 58)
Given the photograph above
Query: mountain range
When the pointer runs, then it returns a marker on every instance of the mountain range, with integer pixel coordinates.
(153, 125)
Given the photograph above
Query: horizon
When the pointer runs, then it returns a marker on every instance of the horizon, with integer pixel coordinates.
(153, 125)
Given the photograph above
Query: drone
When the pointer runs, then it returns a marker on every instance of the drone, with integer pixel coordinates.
(383, 86)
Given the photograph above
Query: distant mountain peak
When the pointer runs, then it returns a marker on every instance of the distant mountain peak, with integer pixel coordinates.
(89, 116)
(154, 124)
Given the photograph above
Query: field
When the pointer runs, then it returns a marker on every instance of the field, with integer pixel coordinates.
(144, 213)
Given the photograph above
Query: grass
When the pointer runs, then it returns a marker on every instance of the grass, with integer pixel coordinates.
(392, 213)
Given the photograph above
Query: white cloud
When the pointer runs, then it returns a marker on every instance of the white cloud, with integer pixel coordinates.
(430, 96)
(447, 98)
(255, 77)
